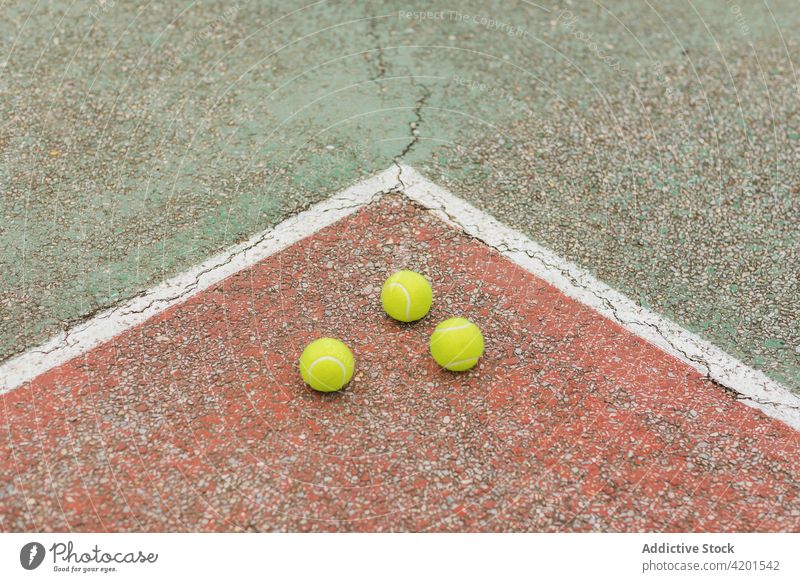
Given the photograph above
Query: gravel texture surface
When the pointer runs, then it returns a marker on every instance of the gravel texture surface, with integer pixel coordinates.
(198, 419)
(655, 144)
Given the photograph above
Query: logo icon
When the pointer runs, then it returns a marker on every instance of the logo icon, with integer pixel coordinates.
(31, 555)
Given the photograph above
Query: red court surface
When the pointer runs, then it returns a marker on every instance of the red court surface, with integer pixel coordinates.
(198, 419)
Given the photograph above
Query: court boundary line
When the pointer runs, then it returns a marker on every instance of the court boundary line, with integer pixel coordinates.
(752, 387)
(88, 334)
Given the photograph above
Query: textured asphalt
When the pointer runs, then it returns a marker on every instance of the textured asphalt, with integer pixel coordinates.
(655, 144)
(198, 420)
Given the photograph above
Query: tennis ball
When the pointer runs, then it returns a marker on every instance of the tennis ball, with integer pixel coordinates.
(406, 296)
(456, 344)
(327, 364)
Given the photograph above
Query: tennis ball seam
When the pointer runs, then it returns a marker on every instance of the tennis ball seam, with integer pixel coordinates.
(442, 330)
(458, 359)
(459, 362)
(464, 349)
(342, 367)
(407, 294)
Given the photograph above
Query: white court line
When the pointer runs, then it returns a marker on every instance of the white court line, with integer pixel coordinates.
(754, 388)
(110, 323)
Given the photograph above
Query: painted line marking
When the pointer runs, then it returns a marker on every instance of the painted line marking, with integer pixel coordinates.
(754, 387)
(86, 335)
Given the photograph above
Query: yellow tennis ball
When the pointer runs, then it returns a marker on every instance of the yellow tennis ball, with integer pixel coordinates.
(327, 364)
(406, 296)
(456, 344)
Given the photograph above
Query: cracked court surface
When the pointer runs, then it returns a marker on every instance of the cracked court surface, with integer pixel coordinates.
(138, 140)
(197, 419)
(653, 145)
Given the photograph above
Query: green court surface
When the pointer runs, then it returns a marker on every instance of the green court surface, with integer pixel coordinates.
(655, 145)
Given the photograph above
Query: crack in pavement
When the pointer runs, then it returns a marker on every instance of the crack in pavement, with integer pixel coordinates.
(126, 307)
(72, 326)
(380, 66)
(706, 368)
(414, 125)
(721, 372)
(612, 308)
